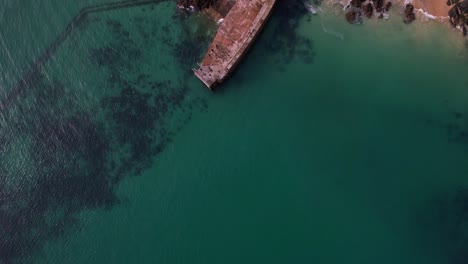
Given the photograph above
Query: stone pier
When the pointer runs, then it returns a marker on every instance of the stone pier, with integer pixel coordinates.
(236, 34)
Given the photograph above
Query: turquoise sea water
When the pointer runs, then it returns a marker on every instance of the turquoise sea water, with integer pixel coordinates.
(332, 143)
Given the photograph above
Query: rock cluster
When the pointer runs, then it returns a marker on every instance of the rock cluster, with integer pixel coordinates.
(368, 10)
(358, 8)
(409, 14)
(458, 14)
(378, 5)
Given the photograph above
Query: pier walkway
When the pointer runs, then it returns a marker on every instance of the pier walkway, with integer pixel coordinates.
(235, 35)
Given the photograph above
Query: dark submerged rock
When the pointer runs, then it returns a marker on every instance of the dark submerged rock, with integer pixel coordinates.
(410, 16)
(387, 6)
(351, 17)
(409, 8)
(463, 6)
(356, 3)
(378, 5)
(454, 16)
(458, 14)
(357, 8)
(368, 10)
(452, 2)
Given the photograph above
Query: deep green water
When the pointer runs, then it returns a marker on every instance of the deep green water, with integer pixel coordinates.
(332, 143)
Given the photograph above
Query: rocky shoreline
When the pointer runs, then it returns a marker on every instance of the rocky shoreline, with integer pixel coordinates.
(458, 14)
(456, 11)
(356, 9)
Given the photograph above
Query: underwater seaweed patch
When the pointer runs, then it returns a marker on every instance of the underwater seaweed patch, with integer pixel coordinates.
(67, 173)
(77, 153)
(444, 223)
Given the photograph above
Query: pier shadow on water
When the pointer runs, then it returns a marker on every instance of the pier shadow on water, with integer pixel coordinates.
(282, 38)
(279, 42)
(69, 138)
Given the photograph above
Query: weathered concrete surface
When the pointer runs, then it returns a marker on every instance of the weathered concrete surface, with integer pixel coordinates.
(236, 34)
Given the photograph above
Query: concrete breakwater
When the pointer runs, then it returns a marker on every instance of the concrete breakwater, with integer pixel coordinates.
(235, 36)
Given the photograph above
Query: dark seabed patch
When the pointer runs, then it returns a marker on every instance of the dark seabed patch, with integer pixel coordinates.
(444, 220)
(62, 169)
(61, 156)
(457, 127)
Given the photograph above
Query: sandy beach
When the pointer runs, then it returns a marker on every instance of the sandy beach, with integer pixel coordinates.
(437, 8)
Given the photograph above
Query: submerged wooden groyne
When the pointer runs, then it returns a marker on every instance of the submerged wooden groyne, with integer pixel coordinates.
(33, 74)
(236, 34)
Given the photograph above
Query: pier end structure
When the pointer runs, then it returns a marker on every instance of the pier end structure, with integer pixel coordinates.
(235, 36)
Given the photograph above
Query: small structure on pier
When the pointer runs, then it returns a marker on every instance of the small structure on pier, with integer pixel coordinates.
(236, 34)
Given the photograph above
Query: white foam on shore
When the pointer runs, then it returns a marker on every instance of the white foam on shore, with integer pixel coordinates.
(190, 9)
(430, 16)
(345, 4)
(425, 13)
(403, 3)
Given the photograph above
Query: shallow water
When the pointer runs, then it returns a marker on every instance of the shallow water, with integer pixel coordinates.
(332, 143)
